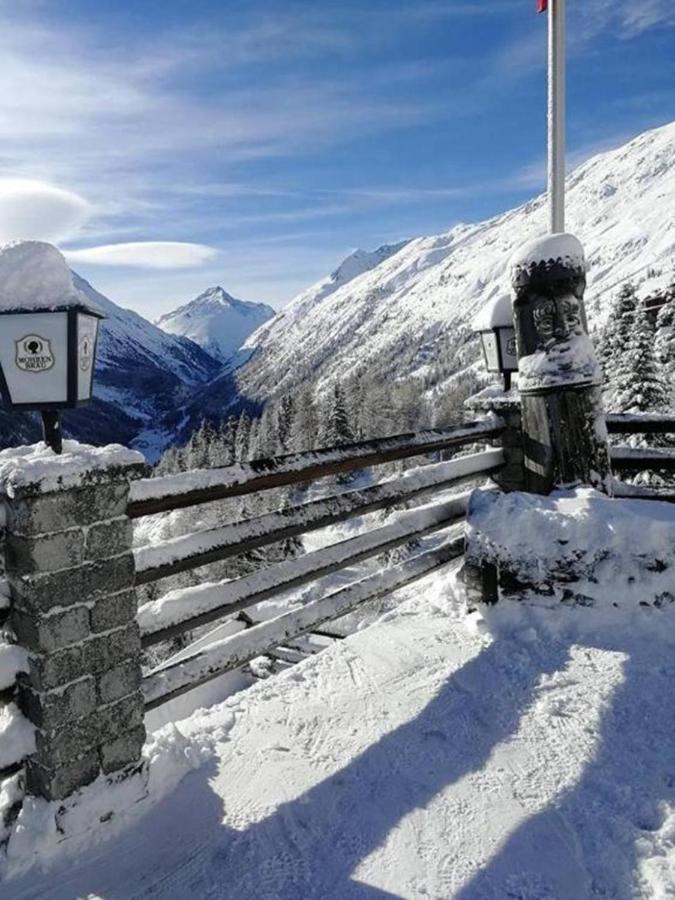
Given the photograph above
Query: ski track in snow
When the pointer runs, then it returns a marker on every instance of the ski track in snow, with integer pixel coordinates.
(431, 755)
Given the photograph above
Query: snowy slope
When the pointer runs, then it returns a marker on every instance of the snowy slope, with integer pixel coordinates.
(414, 308)
(430, 755)
(216, 321)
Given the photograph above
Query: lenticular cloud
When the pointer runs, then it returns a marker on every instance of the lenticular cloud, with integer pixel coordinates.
(145, 255)
(37, 211)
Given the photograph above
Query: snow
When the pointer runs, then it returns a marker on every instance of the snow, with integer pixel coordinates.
(578, 542)
(35, 276)
(216, 321)
(550, 248)
(36, 467)
(564, 362)
(17, 736)
(524, 753)
(13, 659)
(498, 314)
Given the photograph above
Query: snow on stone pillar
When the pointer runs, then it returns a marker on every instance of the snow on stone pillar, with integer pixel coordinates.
(564, 432)
(73, 607)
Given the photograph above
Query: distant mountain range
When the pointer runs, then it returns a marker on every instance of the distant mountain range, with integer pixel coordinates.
(407, 308)
(216, 321)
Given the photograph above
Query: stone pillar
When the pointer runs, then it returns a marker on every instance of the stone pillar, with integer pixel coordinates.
(73, 607)
(564, 432)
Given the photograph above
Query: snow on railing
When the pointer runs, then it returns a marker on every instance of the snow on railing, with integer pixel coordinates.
(153, 495)
(171, 681)
(191, 607)
(197, 549)
(640, 459)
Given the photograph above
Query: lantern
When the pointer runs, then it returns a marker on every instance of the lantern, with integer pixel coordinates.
(494, 323)
(47, 351)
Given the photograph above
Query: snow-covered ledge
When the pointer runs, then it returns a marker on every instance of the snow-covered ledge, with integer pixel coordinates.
(70, 573)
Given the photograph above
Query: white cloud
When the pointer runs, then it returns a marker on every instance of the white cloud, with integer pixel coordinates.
(35, 210)
(145, 255)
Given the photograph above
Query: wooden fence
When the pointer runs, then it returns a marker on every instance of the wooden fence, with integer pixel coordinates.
(185, 609)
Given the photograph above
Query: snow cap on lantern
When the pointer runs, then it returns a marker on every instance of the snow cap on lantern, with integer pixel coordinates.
(494, 323)
(48, 330)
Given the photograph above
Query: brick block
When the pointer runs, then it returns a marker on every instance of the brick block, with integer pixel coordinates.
(76, 585)
(46, 634)
(59, 783)
(105, 651)
(56, 669)
(120, 681)
(58, 708)
(44, 553)
(113, 611)
(123, 750)
(107, 539)
(45, 513)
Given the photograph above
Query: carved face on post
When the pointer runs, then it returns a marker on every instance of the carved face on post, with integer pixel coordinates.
(557, 320)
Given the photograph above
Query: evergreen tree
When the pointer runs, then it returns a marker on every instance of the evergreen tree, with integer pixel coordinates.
(304, 428)
(337, 428)
(614, 343)
(285, 414)
(638, 383)
(664, 344)
(241, 440)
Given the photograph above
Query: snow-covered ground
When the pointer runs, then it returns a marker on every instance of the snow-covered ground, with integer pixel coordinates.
(528, 754)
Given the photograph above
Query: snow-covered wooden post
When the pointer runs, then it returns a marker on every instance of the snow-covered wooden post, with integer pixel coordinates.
(564, 432)
(73, 607)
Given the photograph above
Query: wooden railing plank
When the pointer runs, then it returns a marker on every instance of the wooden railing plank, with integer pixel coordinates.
(154, 495)
(639, 459)
(640, 423)
(169, 682)
(193, 550)
(192, 607)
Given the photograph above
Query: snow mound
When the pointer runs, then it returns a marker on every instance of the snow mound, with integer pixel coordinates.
(578, 546)
(36, 468)
(551, 248)
(35, 275)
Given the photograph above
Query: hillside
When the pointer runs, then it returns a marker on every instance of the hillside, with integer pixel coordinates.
(216, 321)
(412, 309)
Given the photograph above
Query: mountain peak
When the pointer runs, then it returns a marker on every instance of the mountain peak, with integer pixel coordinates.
(217, 321)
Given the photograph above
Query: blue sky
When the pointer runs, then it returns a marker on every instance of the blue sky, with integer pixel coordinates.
(255, 144)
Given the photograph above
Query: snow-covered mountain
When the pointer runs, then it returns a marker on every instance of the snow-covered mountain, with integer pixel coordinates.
(412, 308)
(216, 321)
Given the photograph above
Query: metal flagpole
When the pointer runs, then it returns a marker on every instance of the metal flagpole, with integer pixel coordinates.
(556, 114)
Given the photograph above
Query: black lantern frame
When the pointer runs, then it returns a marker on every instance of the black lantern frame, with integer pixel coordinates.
(72, 398)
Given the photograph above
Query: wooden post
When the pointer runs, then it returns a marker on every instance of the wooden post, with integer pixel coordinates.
(564, 431)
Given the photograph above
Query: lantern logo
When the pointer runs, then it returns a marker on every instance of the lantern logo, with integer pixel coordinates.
(86, 353)
(34, 354)
(511, 348)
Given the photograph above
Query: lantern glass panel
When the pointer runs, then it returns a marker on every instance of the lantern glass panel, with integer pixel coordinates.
(507, 340)
(34, 357)
(87, 334)
(491, 350)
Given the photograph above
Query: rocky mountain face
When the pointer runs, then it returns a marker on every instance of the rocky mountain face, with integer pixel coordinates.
(216, 321)
(412, 308)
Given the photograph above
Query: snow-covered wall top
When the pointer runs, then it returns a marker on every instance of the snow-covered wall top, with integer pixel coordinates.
(35, 276)
(414, 307)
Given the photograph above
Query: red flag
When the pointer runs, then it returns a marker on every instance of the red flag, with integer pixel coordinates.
(542, 6)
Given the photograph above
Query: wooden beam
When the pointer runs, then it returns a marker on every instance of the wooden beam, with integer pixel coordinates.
(154, 495)
(187, 608)
(640, 423)
(167, 683)
(640, 459)
(193, 550)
